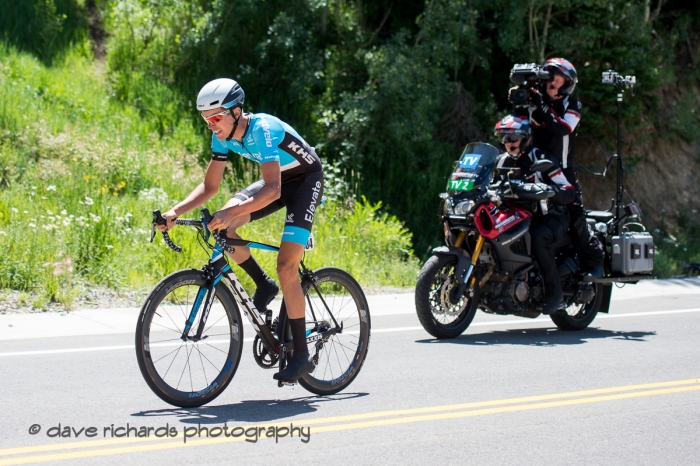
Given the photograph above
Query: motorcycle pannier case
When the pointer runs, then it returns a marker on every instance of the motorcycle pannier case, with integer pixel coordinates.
(633, 253)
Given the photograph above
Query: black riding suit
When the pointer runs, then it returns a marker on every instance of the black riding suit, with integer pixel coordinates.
(555, 126)
(549, 223)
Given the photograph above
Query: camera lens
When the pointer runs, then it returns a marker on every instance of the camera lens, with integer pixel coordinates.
(519, 96)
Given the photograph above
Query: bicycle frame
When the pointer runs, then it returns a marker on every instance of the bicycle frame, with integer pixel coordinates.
(218, 270)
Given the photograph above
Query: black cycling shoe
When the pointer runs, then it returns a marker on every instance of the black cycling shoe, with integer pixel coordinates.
(593, 274)
(298, 366)
(554, 303)
(265, 294)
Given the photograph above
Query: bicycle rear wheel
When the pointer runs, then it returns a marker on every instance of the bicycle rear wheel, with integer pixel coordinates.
(338, 357)
(188, 373)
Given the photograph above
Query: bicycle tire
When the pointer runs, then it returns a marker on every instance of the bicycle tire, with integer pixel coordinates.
(156, 337)
(347, 302)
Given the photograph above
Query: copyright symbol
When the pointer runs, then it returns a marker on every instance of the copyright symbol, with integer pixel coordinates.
(34, 429)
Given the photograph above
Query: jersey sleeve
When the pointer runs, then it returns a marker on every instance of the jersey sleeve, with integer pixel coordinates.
(266, 136)
(219, 152)
(565, 192)
(560, 125)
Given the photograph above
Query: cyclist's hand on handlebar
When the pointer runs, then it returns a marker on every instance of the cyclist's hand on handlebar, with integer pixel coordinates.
(221, 219)
(170, 217)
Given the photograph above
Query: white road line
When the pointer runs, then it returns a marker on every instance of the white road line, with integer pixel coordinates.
(379, 330)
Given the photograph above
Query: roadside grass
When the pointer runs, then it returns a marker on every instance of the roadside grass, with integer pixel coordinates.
(80, 174)
(675, 249)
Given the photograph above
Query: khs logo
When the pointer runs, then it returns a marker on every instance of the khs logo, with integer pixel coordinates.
(470, 161)
(296, 148)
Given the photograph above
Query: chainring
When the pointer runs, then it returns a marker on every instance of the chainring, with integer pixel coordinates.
(262, 356)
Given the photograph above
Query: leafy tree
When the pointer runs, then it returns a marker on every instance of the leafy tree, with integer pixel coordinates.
(390, 91)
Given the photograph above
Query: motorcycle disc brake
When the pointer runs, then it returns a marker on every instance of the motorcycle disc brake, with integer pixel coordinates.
(446, 307)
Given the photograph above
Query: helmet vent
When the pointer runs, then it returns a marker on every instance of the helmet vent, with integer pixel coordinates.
(214, 103)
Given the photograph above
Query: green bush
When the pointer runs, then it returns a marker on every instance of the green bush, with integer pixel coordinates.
(80, 174)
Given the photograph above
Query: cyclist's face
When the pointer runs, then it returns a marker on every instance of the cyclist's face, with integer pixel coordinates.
(553, 86)
(221, 128)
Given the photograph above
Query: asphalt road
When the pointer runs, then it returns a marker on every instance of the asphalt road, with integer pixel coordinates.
(508, 391)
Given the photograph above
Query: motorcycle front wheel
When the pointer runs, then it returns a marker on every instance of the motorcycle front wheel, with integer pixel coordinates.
(439, 315)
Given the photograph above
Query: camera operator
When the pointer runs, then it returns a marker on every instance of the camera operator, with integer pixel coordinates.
(555, 116)
(550, 224)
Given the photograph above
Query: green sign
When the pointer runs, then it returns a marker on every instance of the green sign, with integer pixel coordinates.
(461, 185)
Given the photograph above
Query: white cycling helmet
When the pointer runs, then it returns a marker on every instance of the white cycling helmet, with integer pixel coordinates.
(222, 92)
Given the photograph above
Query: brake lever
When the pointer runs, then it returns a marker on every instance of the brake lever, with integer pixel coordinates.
(206, 216)
(158, 219)
(219, 237)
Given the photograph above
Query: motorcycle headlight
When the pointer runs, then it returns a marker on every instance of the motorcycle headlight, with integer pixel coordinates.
(464, 207)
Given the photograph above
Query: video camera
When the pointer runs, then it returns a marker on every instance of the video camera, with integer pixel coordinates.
(613, 77)
(525, 76)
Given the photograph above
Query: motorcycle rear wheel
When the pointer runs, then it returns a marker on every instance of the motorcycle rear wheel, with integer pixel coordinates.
(436, 313)
(578, 317)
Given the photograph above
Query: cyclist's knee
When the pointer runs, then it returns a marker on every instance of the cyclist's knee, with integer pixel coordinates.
(287, 269)
(288, 261)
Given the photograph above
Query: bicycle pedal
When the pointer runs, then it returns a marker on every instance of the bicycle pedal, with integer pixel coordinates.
(282, 383)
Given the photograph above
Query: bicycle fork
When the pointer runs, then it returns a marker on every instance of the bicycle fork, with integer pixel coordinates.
(214, 272)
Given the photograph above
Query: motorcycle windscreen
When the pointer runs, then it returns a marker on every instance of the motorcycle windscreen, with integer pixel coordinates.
(474, 169)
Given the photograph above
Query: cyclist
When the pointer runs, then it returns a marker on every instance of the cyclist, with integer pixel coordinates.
(555, 117)
(292, 177)
(550, 223)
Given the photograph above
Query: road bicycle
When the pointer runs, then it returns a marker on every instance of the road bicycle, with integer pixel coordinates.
(189, 335)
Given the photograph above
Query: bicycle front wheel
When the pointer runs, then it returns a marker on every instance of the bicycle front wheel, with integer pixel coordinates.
(338, 357)
(188, 373)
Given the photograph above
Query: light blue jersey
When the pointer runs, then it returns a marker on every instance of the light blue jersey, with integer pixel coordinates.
(269, 139)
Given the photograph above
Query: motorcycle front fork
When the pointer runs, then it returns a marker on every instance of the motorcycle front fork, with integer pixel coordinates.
(468, 278)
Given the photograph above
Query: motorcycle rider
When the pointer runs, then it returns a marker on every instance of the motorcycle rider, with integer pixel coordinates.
(551, 221)
(555, 117)
(292, 177)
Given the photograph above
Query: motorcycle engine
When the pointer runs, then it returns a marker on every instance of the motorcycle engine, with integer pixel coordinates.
(519, 292)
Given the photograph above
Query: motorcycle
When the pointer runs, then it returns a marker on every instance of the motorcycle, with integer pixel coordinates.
(487, 264)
